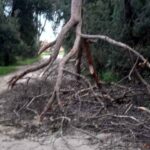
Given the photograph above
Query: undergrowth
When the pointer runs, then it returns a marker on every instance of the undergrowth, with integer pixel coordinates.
(4, 70)
(109, 76)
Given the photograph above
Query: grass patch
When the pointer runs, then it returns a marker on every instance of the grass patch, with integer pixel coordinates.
(46, 53)
(6, 70)
(27, 61)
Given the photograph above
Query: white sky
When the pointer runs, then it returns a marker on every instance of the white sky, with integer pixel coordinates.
(48, 33)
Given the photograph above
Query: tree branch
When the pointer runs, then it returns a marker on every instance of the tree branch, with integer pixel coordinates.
(42, 49)
(117, 43)
(74, 20)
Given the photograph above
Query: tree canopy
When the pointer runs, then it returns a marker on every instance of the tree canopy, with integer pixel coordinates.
(20, 27)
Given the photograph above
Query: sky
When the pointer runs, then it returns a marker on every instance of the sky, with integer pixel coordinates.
(48, 33)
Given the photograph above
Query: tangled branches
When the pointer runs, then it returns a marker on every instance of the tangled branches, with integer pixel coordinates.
(74, 21)
(114, 109)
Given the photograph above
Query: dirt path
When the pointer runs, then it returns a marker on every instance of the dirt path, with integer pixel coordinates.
(74, 142)
(4, 79)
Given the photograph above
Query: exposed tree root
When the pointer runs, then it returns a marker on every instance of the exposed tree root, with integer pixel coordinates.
(15, 78)
(60, 73)
(143, 81)
(79, 62)
(86, 48)
(74, 21)
(49, 45)
(117, 43)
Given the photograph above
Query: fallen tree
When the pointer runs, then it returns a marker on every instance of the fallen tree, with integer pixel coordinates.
(81, 43)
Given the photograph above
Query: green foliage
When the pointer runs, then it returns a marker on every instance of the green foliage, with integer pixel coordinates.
(109, 76)
(10, 41)
(20, 27)
(124, 20)
(28, 12)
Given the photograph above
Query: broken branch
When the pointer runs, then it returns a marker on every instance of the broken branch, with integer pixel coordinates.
(117, 43)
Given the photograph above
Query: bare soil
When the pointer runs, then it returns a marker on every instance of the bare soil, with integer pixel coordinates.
(84, 122)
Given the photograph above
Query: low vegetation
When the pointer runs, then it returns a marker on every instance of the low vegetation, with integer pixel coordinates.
(7, 69)
(27, 61)
(109, 76)
(4, 70)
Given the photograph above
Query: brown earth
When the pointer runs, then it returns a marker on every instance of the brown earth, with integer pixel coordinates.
(91, 127)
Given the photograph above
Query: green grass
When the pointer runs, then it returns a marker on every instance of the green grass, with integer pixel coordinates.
(46, 53)
(4, 70)
(27, 61)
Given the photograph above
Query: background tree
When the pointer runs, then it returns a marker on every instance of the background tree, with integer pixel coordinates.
(28, 13)
(20, 27)
(10, 42)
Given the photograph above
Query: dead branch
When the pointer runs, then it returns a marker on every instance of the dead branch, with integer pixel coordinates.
(144, 109)
(15, 78)
(74, 20)
(133, 68)
(86, 48)
(78, 62)
(89, 84)
(117, 43)
(92, 99)
(67, 57)
(129, 106)
(144, 82)
(49, 45)
(60, 73)
(31, 101)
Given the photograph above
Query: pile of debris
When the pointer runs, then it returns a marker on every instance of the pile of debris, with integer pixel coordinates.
(113, 108)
